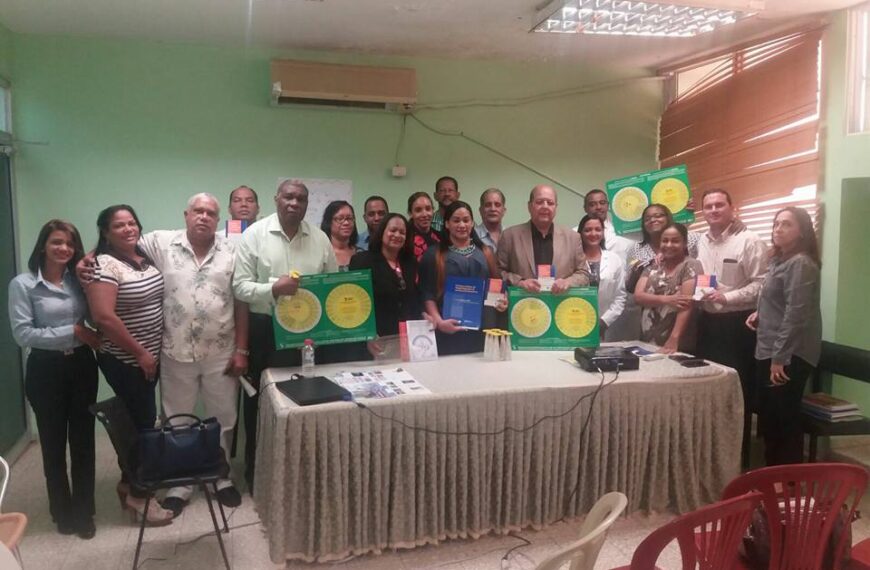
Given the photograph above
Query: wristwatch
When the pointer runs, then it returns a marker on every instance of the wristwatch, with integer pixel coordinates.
(243, 351)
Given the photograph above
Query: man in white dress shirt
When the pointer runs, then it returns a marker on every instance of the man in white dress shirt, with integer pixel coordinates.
(739, 262)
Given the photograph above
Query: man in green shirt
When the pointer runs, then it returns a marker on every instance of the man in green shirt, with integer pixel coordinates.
(271, 255)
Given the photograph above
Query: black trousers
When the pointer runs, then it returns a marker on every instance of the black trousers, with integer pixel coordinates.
(261, 343)
(725, 338)
(781, 411)
(60, 388)
(129, 384)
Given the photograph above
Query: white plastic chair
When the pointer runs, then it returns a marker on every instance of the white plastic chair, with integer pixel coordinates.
(12, 525)
(4, 481)
(583, 553)
(8, 561)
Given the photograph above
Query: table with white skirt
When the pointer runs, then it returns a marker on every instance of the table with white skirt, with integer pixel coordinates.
(496, 447)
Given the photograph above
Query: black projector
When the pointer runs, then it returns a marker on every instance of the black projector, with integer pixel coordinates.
(606, 359)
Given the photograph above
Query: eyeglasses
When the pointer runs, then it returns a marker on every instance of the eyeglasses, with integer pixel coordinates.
(343, 219)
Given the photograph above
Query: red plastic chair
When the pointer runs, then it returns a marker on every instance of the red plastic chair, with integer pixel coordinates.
(804, 500)
(860, 556)
(708, 538)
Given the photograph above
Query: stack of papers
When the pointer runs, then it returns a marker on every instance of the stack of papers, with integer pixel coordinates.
(830, 409)
(378, 384)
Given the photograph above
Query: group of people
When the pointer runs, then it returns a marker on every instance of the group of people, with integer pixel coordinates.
(194, 309)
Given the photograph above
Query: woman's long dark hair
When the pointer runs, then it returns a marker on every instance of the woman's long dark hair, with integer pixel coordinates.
(376, 241)
(445, 243)
(585, 220)
(36, 262)
(329, 213)
(104, 221)
(807, 242)
(647, 238)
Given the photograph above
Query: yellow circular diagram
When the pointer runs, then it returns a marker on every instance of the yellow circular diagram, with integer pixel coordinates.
(348, 306)
(628, 203)
(671, 192)
(298, 313)
(575, 317)
(531, 317)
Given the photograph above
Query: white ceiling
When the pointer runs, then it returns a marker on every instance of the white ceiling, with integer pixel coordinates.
(468, 29)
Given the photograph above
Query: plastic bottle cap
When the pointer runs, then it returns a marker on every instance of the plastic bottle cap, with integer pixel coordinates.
(309, 342)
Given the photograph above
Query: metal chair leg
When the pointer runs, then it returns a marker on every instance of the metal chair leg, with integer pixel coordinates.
(217, 530)
(141, 532)
(221, 508)
(235, 441)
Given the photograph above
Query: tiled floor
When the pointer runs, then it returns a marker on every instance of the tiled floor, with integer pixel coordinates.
(183, 544)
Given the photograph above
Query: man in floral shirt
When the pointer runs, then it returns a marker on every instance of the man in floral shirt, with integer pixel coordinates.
(205, 333)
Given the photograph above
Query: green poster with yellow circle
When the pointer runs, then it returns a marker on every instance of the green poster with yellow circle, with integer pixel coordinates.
(329, 308)
(545, 321)
(630, 195)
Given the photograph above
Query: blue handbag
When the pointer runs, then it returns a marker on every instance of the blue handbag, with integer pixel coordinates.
(179, 450)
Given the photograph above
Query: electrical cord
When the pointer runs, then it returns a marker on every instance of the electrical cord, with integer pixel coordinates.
(583, 432)
(583, 89)
(401, 139)
(494, 150)
(505, 429)
(507, 555)
(195, 539)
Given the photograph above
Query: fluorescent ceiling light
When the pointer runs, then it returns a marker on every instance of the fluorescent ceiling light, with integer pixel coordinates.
(630, 18)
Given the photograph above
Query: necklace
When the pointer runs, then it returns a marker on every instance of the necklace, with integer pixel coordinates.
(463, 250)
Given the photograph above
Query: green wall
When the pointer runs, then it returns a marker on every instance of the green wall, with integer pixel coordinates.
(845, 275)
(151, 123)
(6, 39)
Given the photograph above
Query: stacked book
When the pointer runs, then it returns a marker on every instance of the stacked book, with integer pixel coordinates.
(830, 409)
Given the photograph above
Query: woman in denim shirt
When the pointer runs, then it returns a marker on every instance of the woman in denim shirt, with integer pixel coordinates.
(789, 325)
(46, 310)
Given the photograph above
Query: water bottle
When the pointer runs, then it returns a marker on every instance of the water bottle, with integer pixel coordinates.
(308, 357)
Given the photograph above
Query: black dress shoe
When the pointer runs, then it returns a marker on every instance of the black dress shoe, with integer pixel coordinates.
(65, 527)
(86, 529)
(229, 497)
(174, 504)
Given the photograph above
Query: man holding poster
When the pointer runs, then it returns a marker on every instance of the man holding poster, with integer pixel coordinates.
(539, 255)
(272, 254)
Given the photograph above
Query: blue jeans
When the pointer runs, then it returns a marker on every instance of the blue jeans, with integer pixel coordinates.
(129, 384)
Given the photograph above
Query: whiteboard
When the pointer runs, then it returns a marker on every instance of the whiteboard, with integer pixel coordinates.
(322, 191)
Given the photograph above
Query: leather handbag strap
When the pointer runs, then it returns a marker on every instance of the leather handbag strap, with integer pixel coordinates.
(167, 422)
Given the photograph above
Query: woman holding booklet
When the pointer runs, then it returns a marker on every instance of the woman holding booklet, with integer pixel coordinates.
(459, 253)
(665, 292)
(789, 333)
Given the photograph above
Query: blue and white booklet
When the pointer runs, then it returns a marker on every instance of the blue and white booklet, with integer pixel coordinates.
(463, 301)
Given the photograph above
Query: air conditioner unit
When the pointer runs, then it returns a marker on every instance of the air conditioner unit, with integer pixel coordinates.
(359, 86)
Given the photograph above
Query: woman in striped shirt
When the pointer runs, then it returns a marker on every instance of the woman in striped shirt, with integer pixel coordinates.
(126, 301)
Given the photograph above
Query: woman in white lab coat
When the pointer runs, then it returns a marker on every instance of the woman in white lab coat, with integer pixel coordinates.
(606, 271)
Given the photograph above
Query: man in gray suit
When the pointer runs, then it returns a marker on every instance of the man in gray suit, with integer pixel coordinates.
(527, 250)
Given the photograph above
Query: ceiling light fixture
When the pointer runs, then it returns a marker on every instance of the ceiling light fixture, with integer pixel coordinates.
(631, 18)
